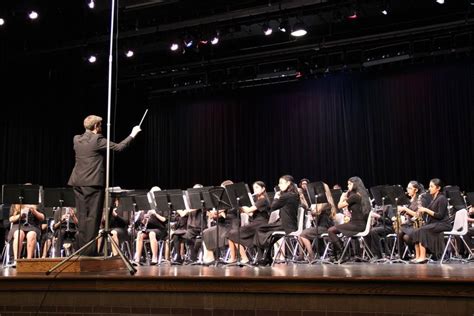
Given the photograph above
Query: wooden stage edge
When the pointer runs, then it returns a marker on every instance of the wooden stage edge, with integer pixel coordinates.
(295, 289)
(74, 265)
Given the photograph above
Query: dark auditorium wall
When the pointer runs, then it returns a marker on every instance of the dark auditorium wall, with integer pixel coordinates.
(385, 126)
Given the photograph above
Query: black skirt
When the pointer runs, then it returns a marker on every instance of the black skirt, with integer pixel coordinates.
(313, 232)
(247, 232)
(352, 228)
(26, 229)
(431, 237)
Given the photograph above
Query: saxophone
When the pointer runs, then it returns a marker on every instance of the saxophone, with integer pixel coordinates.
(417, 220)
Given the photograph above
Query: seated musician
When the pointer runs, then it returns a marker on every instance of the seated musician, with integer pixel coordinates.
(153, 226)
(323, 215)
(117, 225)
(30, 217)
(47, 236)
(225, 220)
(357, 201)
(65, 227)
(287, 201)
(429, 236)
(416, 192)
(190, 232)
(258, 216)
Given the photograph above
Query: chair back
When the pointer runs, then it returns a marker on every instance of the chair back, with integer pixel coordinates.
(367, 226)
(460, 222)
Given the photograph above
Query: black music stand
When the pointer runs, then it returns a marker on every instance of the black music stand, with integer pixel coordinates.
(317, 195)
(167, 202)
(21, 194)
(456, 200)
(239, 195)
(106, 235)
(379, 195)
(59, 198)
(220, 201)
(395, 195)
(199, 198)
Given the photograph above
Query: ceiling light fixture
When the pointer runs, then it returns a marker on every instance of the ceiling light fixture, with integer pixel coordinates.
(299, 30)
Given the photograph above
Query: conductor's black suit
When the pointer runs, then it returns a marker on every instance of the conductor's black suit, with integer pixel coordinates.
(88, 180)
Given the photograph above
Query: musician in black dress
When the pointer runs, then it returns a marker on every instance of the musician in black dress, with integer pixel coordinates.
(286, 201)
(153, 226)
(356, 199)
(323, 215)
(417, 195)
(31, 219)
(118, 226)
(258, 216)
(430, 236)
(226, 219)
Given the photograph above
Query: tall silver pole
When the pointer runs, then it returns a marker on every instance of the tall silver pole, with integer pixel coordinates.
(109, 106)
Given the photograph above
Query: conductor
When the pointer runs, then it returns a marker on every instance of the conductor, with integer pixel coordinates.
(88, 178)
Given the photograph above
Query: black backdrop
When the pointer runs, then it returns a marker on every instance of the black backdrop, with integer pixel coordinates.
(386, 127)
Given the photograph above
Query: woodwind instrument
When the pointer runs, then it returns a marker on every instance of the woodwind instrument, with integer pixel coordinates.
(418, 220)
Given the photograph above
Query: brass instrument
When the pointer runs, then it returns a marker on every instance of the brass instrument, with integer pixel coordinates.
(397, 222)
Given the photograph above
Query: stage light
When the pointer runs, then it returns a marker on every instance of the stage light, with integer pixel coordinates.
(129, 53)
(188, 42)
(283, 27)
(384, 11)
(174, 47)
(92, 59)
(33, 15)
(2, 22)
(215, 40)
(299, 30)
(353, 16)
(91, 4)
(267, 30)
(440, 1)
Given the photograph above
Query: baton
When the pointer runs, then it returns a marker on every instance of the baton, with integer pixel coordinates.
(146, 111)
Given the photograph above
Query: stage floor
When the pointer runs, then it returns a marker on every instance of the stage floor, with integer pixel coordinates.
(356, 289)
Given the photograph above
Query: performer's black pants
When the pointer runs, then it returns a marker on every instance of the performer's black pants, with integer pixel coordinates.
(89, 205)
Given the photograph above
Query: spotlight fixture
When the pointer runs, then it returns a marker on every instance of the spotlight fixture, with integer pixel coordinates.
(2, 22)
(384, 11)
(283, 27)
(174, 47)
(188, 41)
(33, 15)
(353, 16)
(299, 30)
(440, 1)
(91, 4)
(92, 59)
(215, 40)
(267, 30)
(129, 54)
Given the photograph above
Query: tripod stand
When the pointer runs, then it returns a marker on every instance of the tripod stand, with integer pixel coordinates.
(104, 235)
(21, 194)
